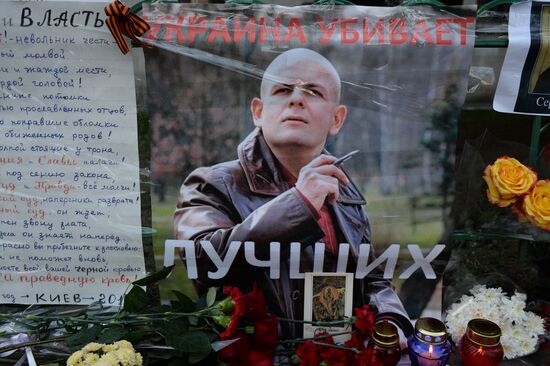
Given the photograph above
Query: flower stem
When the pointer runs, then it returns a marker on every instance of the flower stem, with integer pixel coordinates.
(355, 350)
(335, 322)
(30, 343)
(299, 340)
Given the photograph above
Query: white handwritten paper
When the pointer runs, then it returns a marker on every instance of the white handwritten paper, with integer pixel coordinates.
(70, 222)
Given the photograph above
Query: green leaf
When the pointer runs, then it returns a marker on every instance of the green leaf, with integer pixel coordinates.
(164, 354)
(193, 320)
(200, 304)
(83, 337)
(213, 336)
(192, 342)
(197, 357)
(135, 300)
(185, 303)
(175, 327)
(154, 277)
(159, 309)
(111, 335)
(134, 336)
(178, 362)
(211, 297)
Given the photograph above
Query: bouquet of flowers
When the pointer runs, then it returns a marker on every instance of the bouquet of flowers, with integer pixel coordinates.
(321, 350)
(230, 327)
(254, 343)
(120, 353)
(510, 183)
(200, 332)
(520, 328)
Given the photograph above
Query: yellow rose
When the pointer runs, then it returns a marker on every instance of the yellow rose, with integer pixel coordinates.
(536, 205)
(507, 180)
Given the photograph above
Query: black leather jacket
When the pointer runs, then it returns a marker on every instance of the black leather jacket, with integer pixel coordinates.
(249, 200)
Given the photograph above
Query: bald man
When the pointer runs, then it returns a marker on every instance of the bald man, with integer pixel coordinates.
(284, 188)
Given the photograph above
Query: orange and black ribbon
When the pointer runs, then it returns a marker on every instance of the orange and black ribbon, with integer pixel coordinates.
(121, 20)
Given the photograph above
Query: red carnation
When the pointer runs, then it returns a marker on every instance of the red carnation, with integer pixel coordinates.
(236, 351)
(255, 304)
(307, 352)
(324, 337)
(238, 310)
(368, 358)
(266, 333)
(365, 320)
(259, 358)
(334, 356)
(356, 341)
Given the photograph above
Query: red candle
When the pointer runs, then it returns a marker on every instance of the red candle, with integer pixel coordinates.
(480, 346)
(385, 343)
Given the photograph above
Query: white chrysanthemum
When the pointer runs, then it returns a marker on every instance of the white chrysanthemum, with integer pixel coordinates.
(489, 296)
(477, 289)
(125, 356)
(92, 347)
(110, 358)
(533, 323)
(512, 308)
(139, 359)
(90, 359)
(493, 314)
(505, 327)
(511, 351)
(520, 329)
(124, 344)
(75, 359)
(515, 333)
(527, 345)
(457, 333)
(104, 362)
(109, 348)
(511, 347)
(478, 311)
(120, 353)
(519, 297)
(518, 342)
(461, 307)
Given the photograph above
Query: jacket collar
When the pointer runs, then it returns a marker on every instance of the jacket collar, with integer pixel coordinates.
(264, 177)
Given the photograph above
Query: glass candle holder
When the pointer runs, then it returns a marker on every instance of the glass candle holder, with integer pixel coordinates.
(480, 346)
(385, 344)
(429, 346)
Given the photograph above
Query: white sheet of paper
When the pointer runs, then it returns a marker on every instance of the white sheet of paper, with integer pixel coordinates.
(70, 217)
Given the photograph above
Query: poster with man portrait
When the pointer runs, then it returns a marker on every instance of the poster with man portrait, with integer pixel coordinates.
(524, 84)
(229, 83)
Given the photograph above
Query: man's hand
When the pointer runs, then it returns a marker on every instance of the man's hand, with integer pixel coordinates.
(319, 179)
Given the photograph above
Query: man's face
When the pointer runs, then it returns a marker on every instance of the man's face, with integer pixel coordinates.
(299, 105)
